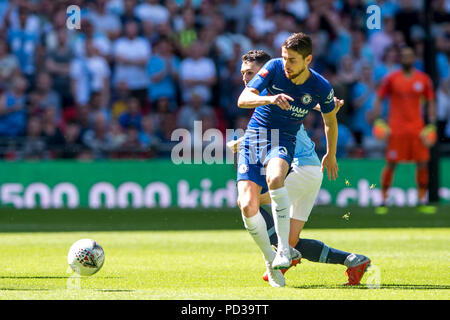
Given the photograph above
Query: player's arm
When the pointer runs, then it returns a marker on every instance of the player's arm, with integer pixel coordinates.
(331, 133)
(376, 111)
(250, 99)
(337, 104)
(431, 112)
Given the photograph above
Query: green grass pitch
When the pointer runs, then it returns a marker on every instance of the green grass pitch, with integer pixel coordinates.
(206, 254)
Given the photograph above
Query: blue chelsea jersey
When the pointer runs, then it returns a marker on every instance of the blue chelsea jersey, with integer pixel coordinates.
(315, 90)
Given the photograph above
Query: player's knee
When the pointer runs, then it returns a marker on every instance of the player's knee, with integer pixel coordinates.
(248, 208)
(275, 182)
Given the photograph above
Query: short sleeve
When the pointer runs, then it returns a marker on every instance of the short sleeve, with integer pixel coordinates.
(327, 100)
(264, 76)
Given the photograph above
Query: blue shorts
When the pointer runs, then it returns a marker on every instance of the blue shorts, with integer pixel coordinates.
(255, 151)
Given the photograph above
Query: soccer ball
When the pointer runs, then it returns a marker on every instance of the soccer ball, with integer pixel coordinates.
(86, 257)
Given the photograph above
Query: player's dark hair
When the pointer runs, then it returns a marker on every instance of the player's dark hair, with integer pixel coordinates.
(299, 42)
(258, 56)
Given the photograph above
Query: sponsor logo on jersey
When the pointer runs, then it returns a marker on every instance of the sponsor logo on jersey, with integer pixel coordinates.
(298, 111)
(263, 72)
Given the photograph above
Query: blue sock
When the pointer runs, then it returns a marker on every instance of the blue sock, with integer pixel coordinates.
(270, 226)
(317, 251)
(312, 250)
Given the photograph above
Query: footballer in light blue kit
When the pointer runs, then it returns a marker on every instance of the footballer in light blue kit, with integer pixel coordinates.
(269, 142)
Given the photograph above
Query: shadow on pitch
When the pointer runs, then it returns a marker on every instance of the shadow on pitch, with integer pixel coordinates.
(48, 277)
(382, 286)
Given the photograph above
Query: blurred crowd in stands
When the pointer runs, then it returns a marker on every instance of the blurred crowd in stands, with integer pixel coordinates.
(137, 70)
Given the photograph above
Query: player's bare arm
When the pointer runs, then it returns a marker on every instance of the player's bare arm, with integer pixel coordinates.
(250, 99)
(337, 104)
(329, 161)
(432, 113)
(376, 113)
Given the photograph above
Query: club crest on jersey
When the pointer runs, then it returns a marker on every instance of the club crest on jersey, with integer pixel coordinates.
(243, 168)
(418, 86)
(306, 99)
(263, 72)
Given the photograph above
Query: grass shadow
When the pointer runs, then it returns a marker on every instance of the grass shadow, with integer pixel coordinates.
(49, 277)
(382, 286)
(172, 219)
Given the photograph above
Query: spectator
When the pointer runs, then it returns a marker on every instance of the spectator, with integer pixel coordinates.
(361, 52)
(363, 93)
(34, 147)
(9, 65)
(90, 75)
(186, 29)
(198, 73)
(57, 65)
(118, 134)
(88, 33)
(195, 110)
(388, 64)
(131, 54)
(119, 100)
(131, 147)
(162, 109)
(104, 21)
(147, 135)
(128, 14)
(99, 139)
(383, 39)
(44, 97)
(23, 36)
(12, 109)
(346, 78)
(443, 108)
(133, 116)
(237, 12)
(72, 141)
(163, 70)
(95, 107)
(51, 132)
(151, 10)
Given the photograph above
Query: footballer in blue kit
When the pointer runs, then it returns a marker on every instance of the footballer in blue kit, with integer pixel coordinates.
(269, 142)
(257, 148)
(303, 184)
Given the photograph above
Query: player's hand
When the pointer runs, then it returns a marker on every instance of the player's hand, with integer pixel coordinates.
(329, 162)
(234, 144)
(282, 100)
(429, 135)
(338, 104)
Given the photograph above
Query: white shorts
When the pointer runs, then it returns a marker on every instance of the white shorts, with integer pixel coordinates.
(303, 185)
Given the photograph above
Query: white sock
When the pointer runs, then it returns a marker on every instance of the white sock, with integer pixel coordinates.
(257, 228)
(280, 211)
